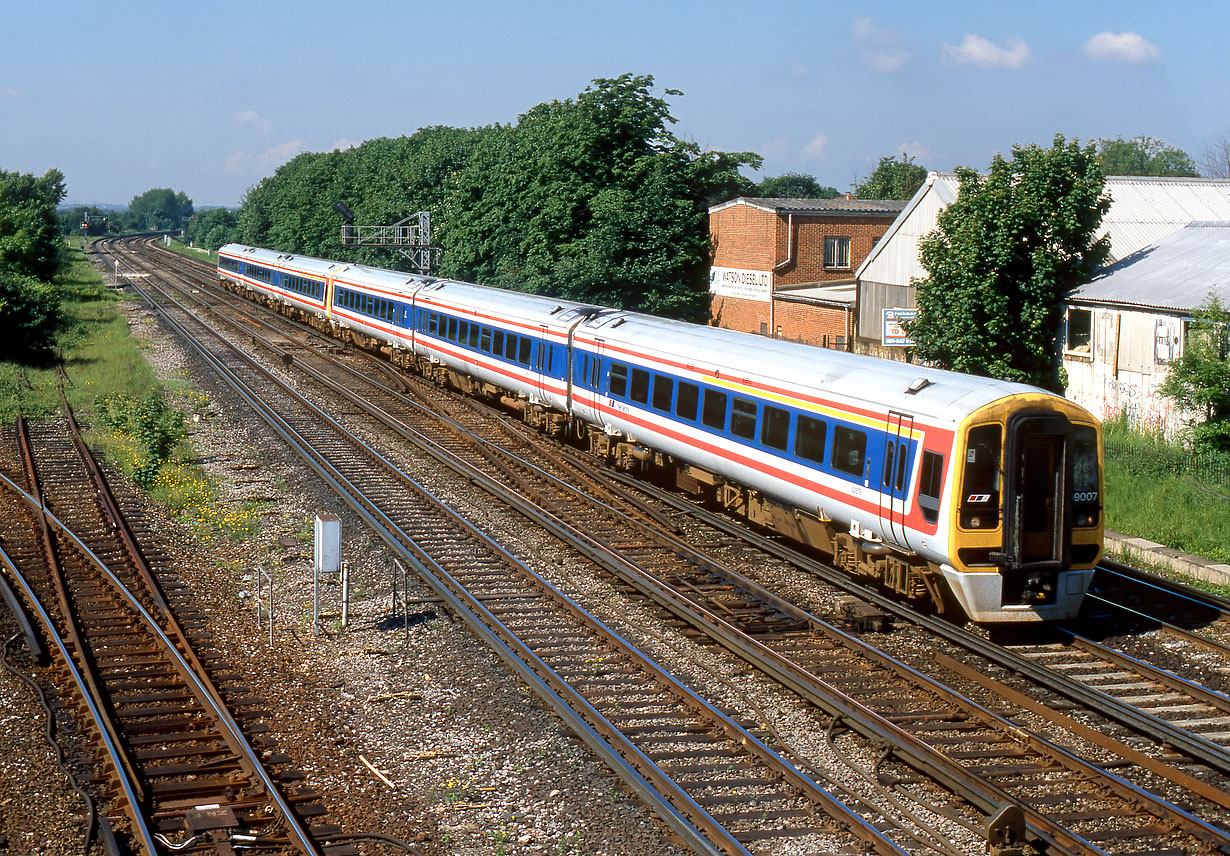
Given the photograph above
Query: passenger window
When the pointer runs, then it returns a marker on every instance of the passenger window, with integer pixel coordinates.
(472, 339)
(687, 401)
(981, 478)
(743, 418)
(775, 428)
(930, 486)
(497, 343)
(640, 386)
(452, 330)
(714, 413)
(510, 346)
(484, 340)
(463, 332)
(663, 391)
(849, 450)
(523, 350)
(619, 380)
(809, 439)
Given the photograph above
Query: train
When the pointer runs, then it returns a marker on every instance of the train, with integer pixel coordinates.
(976, 498)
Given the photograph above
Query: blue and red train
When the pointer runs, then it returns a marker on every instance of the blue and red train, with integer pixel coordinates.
(976, 496)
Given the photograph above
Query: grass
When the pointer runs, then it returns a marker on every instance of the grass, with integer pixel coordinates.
(1148, 497)
(105, 363)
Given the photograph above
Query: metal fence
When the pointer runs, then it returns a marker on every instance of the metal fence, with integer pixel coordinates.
(1163, 459)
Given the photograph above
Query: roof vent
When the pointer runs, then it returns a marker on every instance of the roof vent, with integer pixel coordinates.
(917, 386)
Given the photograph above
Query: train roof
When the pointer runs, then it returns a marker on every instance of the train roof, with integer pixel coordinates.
(880, 383)
(734, 355)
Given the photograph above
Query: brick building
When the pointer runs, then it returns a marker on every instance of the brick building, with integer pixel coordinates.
(785, 267)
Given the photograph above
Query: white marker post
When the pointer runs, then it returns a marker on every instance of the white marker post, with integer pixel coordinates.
(328, 558)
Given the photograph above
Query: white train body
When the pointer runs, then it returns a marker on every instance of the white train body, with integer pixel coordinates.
(949, 488)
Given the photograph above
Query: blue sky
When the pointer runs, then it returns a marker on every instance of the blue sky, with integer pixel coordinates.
(210, 97)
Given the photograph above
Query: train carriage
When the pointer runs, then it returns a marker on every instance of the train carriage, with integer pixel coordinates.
(971, 494)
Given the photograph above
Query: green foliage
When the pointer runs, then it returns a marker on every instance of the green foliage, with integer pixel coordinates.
(1003, 256)
(1144, 156)
(29, 316)
(160, 209)
(591, 199)
(29, 228)
(1200, 379)
(892, 179)
(72, 219)
(1167, 493)
(794, 185)
(212, 228)
(155, 427)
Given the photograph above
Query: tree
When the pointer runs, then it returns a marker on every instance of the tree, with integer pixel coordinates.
(1215, 158)
(29, 228)
(1001, 259)
(892, 179)
(212, 228)
(794, 185)
(1199, 380)
(29, 316)
(160, 209)
(589, 198)
(1144, 156)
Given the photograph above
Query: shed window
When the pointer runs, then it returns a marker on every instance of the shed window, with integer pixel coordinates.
(1080, 330)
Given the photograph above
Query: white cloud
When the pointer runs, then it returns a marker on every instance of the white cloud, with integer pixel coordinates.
(1124, 48)
(12, 93)
(975, 50)
(342, 144)
(879, 48)
(253, 119)
(815, 148)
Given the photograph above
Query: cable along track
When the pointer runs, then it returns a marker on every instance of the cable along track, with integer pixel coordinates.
(948, 721)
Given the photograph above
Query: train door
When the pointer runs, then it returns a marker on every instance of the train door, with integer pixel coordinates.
(542, 363)
(895, 476)
(1035, 513)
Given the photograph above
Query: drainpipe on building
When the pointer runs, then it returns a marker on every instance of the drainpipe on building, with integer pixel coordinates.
(773, 274)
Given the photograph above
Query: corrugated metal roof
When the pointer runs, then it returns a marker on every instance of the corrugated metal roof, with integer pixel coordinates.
(1176, 272)
(1143, 210)
(840, 205)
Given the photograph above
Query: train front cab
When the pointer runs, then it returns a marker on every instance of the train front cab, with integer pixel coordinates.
(1026, 519)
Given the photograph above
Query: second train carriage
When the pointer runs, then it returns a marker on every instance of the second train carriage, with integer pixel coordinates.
(961, 491)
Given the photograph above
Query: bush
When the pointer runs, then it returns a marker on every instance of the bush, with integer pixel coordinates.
(154, 426)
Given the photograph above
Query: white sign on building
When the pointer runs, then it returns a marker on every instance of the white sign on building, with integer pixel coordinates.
(894, 334)
(743, 284)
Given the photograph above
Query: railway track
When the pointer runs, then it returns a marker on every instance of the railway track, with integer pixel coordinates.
(778, 621)
(180, 752)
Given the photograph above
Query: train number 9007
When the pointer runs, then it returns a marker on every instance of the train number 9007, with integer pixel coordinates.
(1085, 496)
